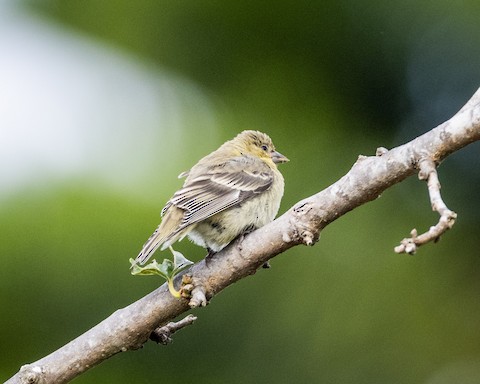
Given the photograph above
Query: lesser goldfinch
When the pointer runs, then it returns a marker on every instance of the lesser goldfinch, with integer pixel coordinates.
(229, 192)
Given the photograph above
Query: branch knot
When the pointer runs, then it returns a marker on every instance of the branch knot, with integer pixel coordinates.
(32, 374)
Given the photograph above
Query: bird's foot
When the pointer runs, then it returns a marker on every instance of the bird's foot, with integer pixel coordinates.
(209, 257)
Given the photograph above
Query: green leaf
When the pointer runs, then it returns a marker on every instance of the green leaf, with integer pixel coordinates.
(168, 269)
(179, 261)
(165, 269)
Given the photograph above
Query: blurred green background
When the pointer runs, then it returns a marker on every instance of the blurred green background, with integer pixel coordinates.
(102, 104)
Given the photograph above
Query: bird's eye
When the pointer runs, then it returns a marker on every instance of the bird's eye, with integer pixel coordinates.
(264, 147)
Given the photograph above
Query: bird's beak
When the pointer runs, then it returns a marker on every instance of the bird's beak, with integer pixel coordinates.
(277, 157)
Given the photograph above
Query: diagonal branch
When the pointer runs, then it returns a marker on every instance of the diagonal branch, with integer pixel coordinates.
(129, 328)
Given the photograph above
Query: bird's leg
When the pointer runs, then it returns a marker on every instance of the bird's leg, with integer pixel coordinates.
(245, 232)
(209, 256)
(242, 235)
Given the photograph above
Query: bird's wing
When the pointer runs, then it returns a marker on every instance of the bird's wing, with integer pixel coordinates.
(220, 188)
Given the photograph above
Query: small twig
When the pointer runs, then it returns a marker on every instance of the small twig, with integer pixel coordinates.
(198, 297)
(194, 291)
(428, 172)
(162, 335)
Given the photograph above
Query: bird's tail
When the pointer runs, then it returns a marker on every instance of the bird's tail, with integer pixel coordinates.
(165, 235)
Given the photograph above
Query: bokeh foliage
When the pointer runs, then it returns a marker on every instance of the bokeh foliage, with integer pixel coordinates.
(328, 81)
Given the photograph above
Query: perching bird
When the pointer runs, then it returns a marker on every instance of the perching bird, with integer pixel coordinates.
(230, 192)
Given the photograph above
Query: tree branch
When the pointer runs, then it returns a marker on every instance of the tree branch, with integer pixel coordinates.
(129, 328)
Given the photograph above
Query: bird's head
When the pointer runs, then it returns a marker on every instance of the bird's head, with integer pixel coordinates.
(258, 144)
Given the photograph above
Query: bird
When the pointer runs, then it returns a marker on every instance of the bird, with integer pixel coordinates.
(230, 192)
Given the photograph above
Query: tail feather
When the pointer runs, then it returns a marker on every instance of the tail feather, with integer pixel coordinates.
(152, 244)
(165, 235)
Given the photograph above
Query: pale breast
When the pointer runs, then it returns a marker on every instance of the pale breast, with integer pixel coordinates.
(219, 230)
